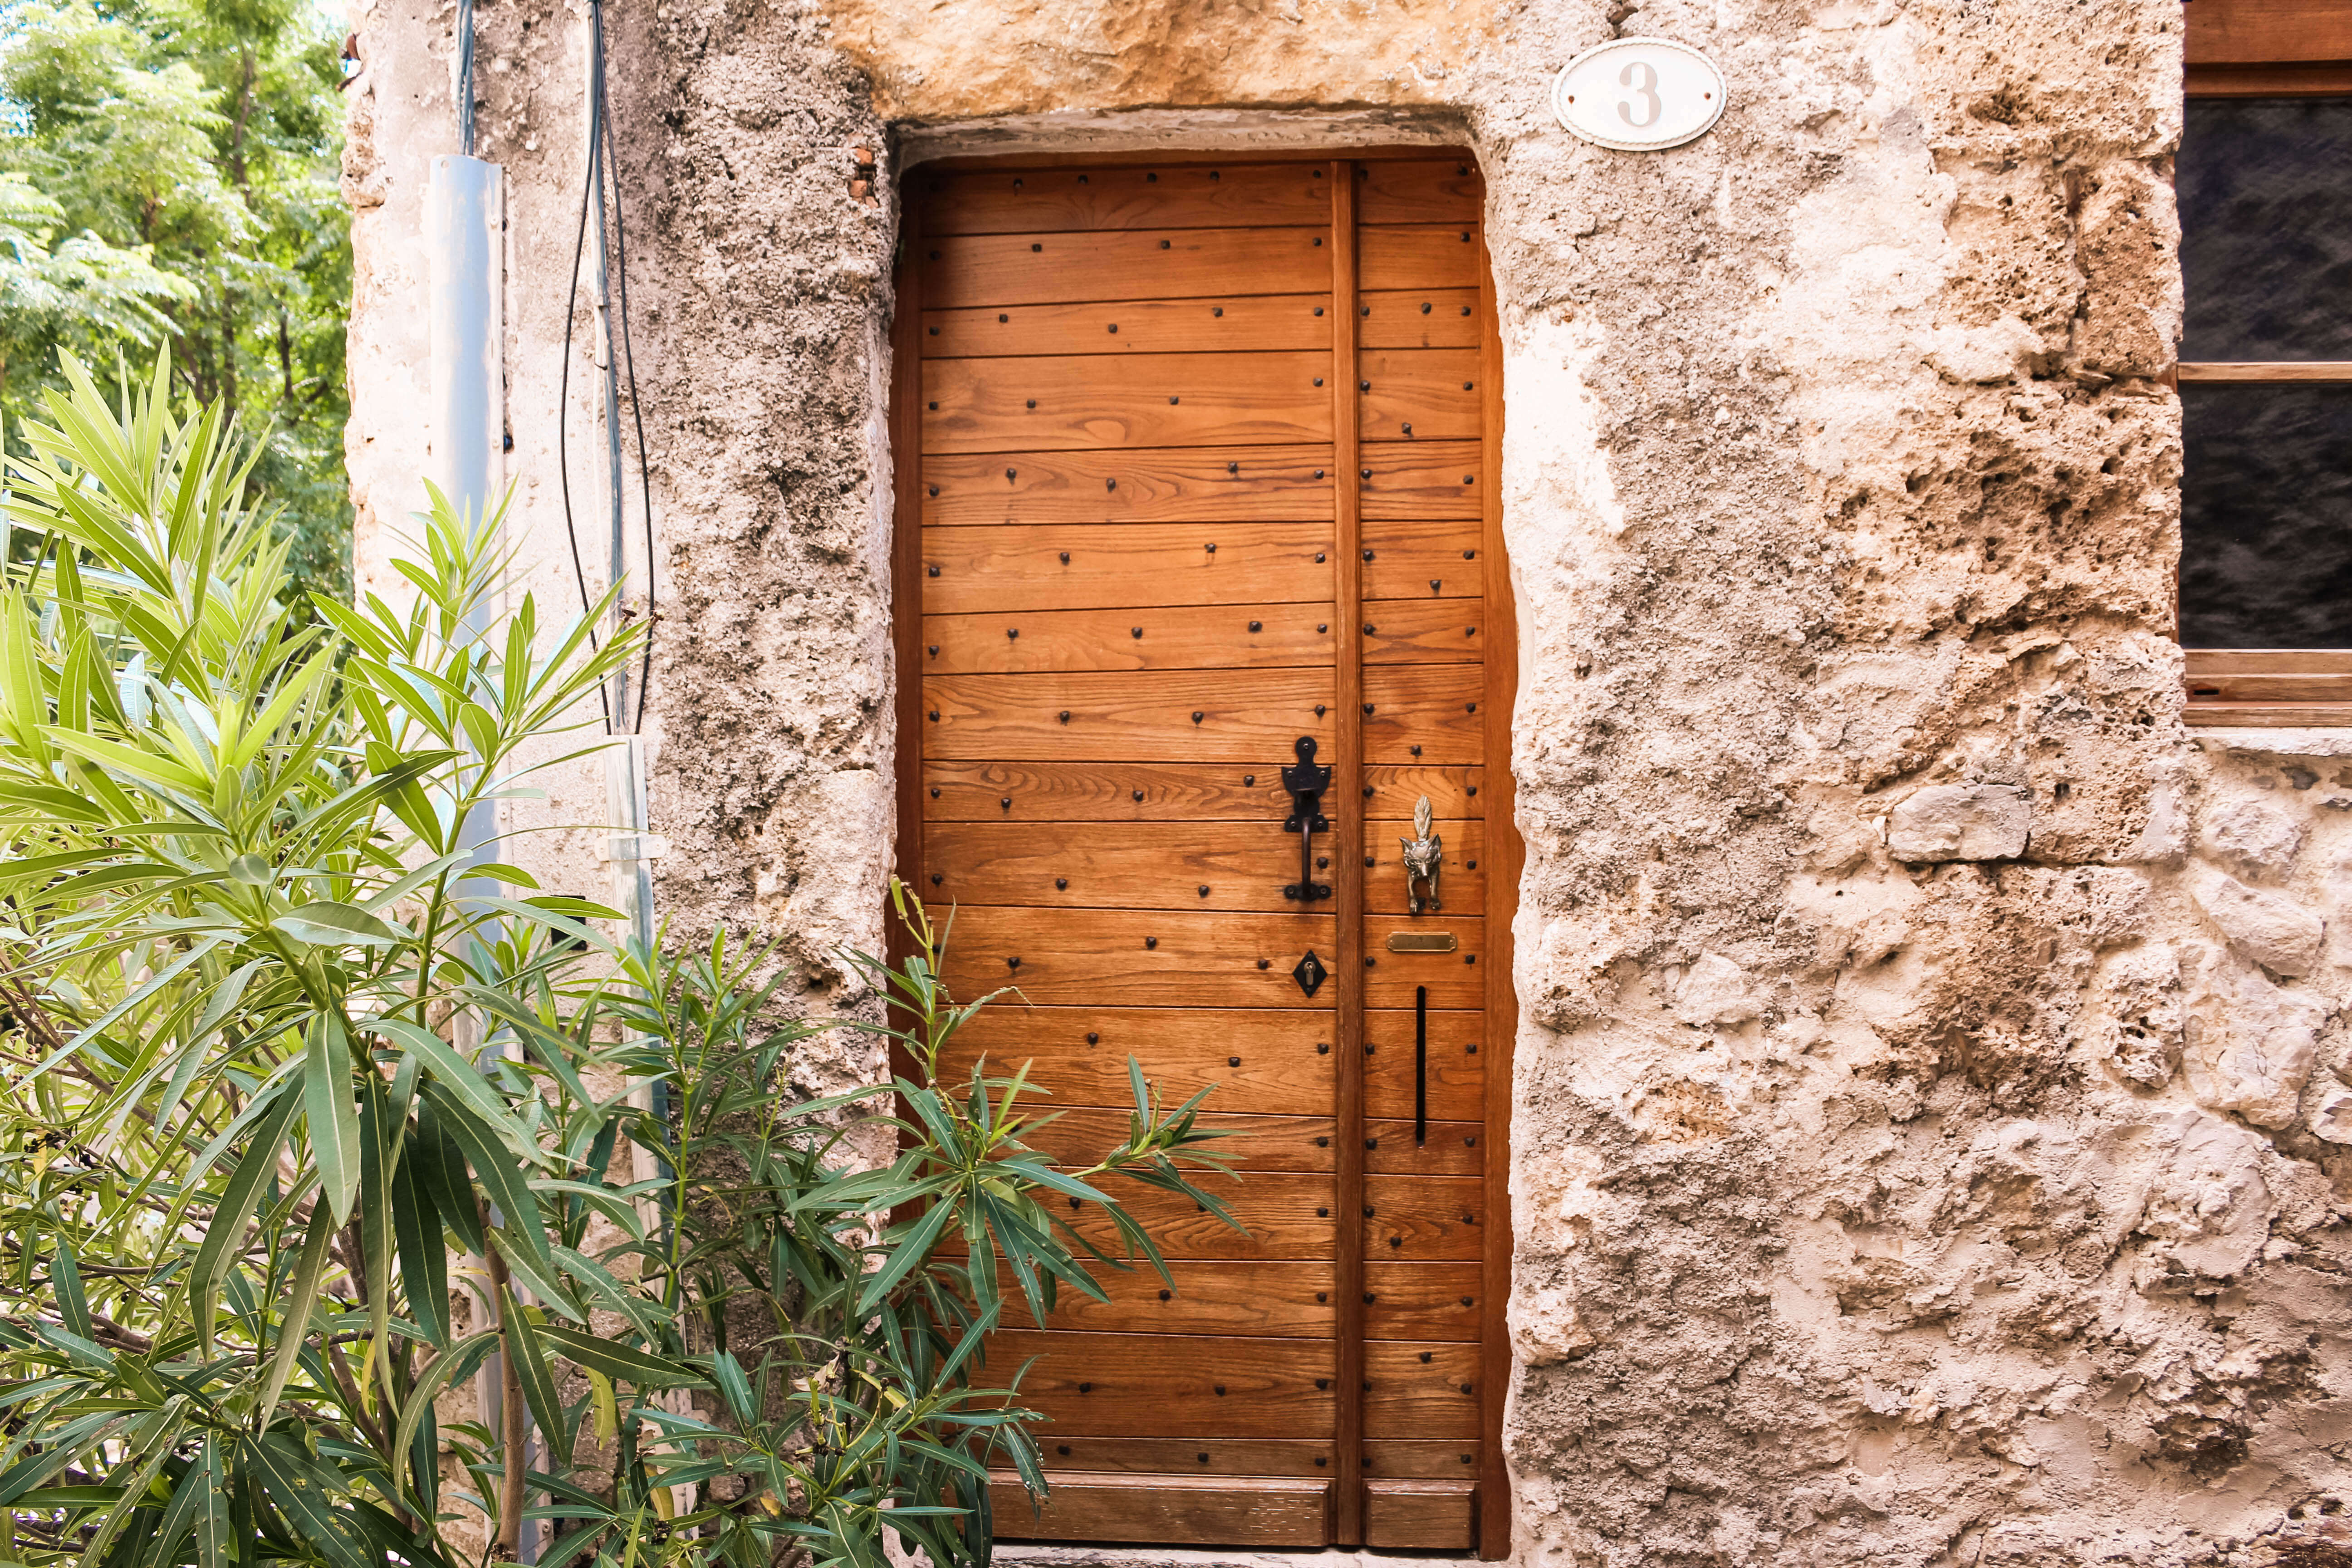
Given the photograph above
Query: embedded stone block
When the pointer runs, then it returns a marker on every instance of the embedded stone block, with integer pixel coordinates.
(1961, 822)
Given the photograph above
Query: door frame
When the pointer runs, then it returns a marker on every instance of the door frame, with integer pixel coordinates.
(1504, 849)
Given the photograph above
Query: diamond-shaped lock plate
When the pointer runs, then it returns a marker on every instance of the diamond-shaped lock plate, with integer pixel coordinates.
(1310, 972)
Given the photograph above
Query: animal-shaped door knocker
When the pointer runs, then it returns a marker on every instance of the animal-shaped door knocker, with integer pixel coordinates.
(1423, 855)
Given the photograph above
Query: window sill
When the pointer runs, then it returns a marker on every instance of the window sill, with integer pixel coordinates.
(2268, 688)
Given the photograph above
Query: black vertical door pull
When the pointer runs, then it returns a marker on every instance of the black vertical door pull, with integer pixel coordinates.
(1306, 781)
(1420, 1066)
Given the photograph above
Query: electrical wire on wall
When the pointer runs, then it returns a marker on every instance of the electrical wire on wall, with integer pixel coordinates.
(616, 357)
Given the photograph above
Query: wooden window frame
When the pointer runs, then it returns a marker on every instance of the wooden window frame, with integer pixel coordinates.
(2267, 48)
(1504, 849)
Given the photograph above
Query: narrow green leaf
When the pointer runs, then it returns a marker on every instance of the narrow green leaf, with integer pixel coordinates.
(424, 1259)
(622, 1363)
(294, 1321)
(65, 1277)
(332, 1112)
(305, 1492)
(225, 1238)
(528, 1356)
(325, 924)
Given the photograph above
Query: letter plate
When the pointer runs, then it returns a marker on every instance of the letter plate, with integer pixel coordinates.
(1420, 942)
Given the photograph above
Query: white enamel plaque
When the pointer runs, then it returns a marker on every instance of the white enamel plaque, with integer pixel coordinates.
(1639, 95)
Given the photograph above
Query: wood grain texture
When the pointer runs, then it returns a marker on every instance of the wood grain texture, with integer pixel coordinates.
(1457, 1078)
(1417, 256)
(1423, 561)
(1149, 715)
(1435, 1458)
(1420, 394)
(1434, 707)
(1233, 323)
(1206, 196)
(1191, 636)
(973, 570)
(2267, 715)
(1412, 1397)
(1105, 792)
(1188, 1456)
(1419, 1515)
(1286, 1300)
(1421, 1301)
(1423, 631)
(1452, 1149)
(1417, 319)
(1166, 1510)
(2212, 661)
(1285, 1218)
(2306, 687)
(1420, 190)
(1084, 956)
(2267, 32)
(1068, 402)
(1278, 1144)
(1136, 866)
(1424, 1219)
(1461, 877)
(1080, 1054)
(1152, 484)
(1411, 480)
(1455, 979)
(1001, 270)
(1170, 1385)
(1390, 789)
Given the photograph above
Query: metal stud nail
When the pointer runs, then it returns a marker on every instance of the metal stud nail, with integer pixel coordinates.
(1465, 479)
(1265, 963)
(1364, 386)
(1163, 245)
(1093, 1039)
(1322, 626)
(1205, 890)
(1368, 708)
(1473, 789)
(1319, 558)
(1005, 801)
(1008, 473)
(1368, 792)
(1368, 860)
(1318, 309)
(935, 649)
(1063, 716)
(935, 715)
(1368, 1298)
(1322, 1048)
(1196, 715)
(1408, 429)
(931, 571)
(1434, 583)
(1111, 484)
(1424, 307)
(1138, 796)
(1012, 963)
(1322, 1294)
(937, 879)
(1114, 326)
(1061, 884)
(1221, 1389)
(1211, 549)
(1364, 309)
(1364, 473)
(1368, 555)
(1135, 632)
(1175, 400)
(1318, 473)
(1249, 781)
(1164, 1295)
(1216, 309)
(1473, 707)
(1318, 711)
(935, 490)
(1013, 632)
(1001, 317)
(1257, 626)
(1065, 558)
(1416, 751)
(1426, 1356)
(935, 792)
(1318, 381)
(1367, 628)
(1150, 942)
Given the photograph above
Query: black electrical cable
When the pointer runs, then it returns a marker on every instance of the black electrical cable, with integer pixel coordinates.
(590, 186)
(629, 362)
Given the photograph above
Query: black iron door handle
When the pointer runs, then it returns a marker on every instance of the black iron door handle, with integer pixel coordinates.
(1306, 781)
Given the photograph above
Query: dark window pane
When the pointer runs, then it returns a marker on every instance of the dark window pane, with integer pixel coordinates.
(2266, 516)
(2265, 190)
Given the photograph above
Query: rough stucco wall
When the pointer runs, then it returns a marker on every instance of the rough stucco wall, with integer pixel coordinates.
(1930, 1099)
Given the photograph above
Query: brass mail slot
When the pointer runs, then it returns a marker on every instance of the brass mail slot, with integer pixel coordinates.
(1420, 942)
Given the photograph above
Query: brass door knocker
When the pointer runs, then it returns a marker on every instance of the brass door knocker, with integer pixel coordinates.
(1422, 857)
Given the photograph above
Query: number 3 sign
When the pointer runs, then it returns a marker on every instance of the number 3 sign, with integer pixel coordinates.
(1639, 95)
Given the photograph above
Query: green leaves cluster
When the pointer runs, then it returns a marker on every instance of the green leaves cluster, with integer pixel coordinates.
(310, 1106)
(169, 173)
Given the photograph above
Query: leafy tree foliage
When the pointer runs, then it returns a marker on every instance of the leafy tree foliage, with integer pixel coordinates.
(307, 1109)
(177, 161)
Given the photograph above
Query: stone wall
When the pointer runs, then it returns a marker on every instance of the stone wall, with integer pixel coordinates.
(1930, 1088)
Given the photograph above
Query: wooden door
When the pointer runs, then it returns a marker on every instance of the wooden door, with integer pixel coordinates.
(1203, 482)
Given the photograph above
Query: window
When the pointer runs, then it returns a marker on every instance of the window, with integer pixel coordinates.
(2264, 180)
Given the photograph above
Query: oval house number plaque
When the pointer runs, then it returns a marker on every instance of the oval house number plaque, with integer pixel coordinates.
(1639, 95)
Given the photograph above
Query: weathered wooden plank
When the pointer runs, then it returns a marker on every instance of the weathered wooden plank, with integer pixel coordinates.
(1420, 190)
(1392, 788)
(1282, 1144)
(975, 571)
(1418, 319)
(1236, 322)
(1416, 479)
(1461, 880)
(1065, 402)
(1420, 713)
(2302, 686)
(1165, 1510)
(1187, 1456)
(1165, 1385)
(1417, 256)
(1452, 1148)
(1457, 1074)
(1133, 866)
(1106, 792)
(1419, 1515)
(1421, 1301)
(1393, 1457)
(1456, 979)
(1421, 560)
(1421, 394)
(1282, 1300)
(1170, 716)
(1257, 1060)
(1060, 957)
(1425, 1218)
(1423, 1389)
(1163, 484)
(1282, 1217)
(1206, 196)
(1190, 636)
(999, 269)
(1418, 630)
